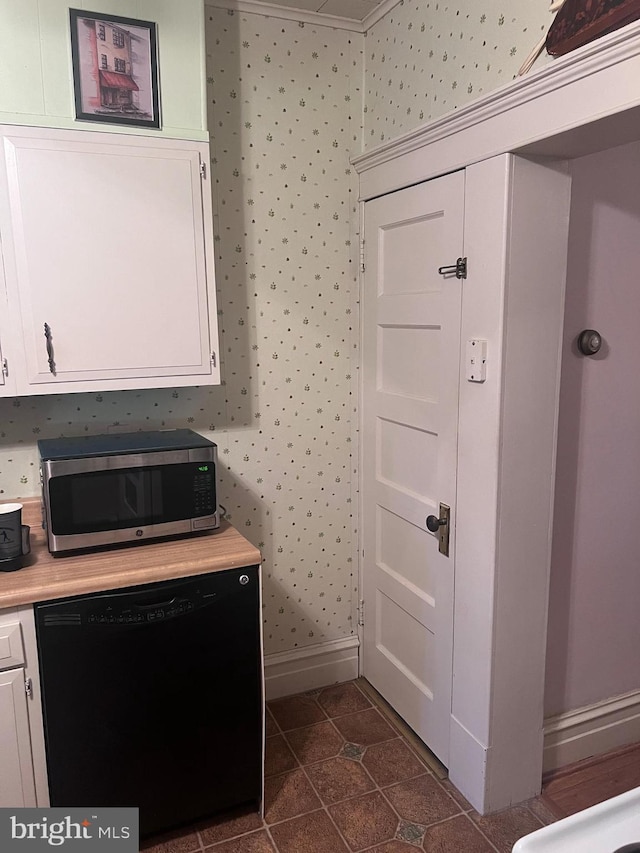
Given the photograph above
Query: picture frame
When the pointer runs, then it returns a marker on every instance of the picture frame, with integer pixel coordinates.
(579, 22)
(115, 69)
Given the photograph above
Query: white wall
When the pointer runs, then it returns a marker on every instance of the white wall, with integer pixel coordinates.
(594, 629)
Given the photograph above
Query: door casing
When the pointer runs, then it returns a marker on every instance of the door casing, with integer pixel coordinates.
(515, 227)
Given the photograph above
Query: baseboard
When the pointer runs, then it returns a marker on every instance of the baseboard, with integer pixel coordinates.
(593, 730)
(311, 667)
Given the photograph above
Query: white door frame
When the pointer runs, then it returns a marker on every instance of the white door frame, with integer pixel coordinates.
(506, 466)
(516, 220)
(516, 226)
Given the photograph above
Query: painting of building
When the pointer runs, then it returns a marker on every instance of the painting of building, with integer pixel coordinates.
(114, 69)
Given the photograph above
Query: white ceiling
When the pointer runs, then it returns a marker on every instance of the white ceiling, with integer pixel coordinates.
(355, 10)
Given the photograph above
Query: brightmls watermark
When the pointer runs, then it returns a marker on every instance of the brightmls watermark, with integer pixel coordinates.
(76, 829)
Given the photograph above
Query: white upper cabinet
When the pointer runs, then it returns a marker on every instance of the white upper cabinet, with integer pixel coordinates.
(108, 261)
(5, 386)
(3, 371)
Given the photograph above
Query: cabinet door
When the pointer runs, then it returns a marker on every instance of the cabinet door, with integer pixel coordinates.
(6, 387)
(111, 260)
(17, 787)
(3, 386)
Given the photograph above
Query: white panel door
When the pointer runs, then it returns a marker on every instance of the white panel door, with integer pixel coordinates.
(411, 359)
(107, 257)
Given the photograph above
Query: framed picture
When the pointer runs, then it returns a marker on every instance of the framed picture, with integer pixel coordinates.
(115, 69)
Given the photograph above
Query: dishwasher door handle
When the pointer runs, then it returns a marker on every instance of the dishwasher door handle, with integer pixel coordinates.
(156, 604)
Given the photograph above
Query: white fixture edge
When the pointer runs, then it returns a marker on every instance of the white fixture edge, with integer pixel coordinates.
(311, 667)
(592, 730)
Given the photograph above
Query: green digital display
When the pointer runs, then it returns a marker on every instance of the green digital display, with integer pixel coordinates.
(203, 468)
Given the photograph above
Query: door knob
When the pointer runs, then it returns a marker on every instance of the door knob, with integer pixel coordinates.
(589, 342)
(442, 527)
(434, 523)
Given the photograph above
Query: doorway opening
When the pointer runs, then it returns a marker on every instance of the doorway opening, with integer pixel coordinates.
(592, 684)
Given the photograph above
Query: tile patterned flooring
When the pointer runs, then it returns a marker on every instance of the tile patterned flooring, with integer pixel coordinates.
(340, 778)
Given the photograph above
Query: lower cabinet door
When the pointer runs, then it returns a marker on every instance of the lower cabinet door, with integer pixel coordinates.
(17, 787)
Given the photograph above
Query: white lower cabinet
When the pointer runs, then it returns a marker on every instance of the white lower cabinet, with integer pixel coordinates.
(107, 244)
(23, 777)
(17, 786)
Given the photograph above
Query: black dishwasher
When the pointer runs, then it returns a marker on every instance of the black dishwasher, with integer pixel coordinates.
(152, 697)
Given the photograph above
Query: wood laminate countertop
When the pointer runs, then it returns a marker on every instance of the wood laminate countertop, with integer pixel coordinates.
(44, 577)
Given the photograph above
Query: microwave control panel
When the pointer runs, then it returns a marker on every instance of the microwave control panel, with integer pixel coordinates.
(204, 491)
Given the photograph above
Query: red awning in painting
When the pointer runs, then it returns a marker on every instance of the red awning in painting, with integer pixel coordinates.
(111, 80)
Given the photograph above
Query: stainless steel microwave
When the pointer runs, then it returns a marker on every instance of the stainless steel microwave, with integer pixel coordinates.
(112, 489)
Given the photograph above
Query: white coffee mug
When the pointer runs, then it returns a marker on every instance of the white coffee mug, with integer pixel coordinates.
(14, 536)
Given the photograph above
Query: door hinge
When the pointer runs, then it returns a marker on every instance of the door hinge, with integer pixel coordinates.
(459, 269)
(28, 687)
(213, 359)
(361, 612)
(5, 367)
(203, 170)
(361, 255)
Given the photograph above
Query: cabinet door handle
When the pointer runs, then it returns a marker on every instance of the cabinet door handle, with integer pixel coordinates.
(47, 335)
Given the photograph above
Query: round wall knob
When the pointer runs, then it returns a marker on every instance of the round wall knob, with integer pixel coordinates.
(434, 523)
(589, 342)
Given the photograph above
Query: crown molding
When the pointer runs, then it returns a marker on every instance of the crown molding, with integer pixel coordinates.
(288, 13)
(379, 13)
(610, 50)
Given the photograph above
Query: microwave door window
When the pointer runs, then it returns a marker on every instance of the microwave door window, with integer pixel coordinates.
(93, 503)
(104, 500)
(130, 497)
(140, 498)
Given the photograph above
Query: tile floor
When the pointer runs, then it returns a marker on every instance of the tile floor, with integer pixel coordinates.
(340, 778)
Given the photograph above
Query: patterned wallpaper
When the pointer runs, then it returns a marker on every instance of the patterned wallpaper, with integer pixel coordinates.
(424, 59)
(285, 117)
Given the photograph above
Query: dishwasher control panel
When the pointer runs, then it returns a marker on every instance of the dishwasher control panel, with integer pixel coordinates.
(138, 614)
(136, 605)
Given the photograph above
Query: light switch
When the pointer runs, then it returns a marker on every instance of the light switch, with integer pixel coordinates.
(476, 360)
